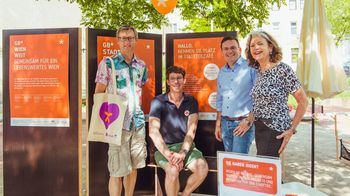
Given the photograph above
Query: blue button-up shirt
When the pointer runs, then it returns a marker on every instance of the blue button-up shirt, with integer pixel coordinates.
(234, 89)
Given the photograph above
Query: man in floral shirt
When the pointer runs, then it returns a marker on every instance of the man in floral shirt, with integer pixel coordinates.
(131, 75)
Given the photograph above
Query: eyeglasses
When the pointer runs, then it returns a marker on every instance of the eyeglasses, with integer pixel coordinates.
(125, 39)
(176, 79)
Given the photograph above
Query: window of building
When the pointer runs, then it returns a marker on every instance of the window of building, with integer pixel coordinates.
(275, 7)
(301, 4)
(275, 25)
(294, 52)
(292, 4)
(175, 27)
(293, 28)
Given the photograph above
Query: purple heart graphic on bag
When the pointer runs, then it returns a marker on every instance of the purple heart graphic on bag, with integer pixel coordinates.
(109, 113)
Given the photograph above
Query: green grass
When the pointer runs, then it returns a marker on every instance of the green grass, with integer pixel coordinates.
(343, 94)
(293, 102)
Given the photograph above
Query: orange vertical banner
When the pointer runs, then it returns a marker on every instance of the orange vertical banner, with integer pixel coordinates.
(39, 80)
(202, 59)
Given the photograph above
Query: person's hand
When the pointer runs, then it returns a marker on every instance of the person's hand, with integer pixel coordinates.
(286, 135)
(168, 155)
(218, 133)
(177, 160)
(242, 128)
(179, 166)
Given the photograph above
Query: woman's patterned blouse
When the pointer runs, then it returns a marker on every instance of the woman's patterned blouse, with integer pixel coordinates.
(270, 96)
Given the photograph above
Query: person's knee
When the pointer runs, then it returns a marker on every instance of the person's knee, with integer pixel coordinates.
(172, 173)
(113, 179)
(200, 168)
(241, 148)
(203, 168)
(242, 144)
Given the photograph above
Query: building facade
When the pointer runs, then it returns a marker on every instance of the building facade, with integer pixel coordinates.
(285, 25)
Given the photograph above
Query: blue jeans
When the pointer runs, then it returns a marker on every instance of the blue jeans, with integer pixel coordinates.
(236, 143)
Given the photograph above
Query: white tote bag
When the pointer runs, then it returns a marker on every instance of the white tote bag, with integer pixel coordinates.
(107, 116)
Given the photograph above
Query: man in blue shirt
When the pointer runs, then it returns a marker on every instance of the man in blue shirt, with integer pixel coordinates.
(235, 81)
(172, 126)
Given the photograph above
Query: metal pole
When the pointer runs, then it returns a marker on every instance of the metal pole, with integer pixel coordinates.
(312, 141)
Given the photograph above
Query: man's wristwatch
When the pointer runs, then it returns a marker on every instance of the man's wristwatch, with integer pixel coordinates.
(248, 122)
(185, 151)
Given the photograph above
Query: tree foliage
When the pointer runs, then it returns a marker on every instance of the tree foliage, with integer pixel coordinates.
(111, 14)
(225, 15)
(338, 14)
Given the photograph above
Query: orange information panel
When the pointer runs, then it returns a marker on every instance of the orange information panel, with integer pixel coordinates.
(202, 59)
(247, 175)
(39, 80)
(108, 46)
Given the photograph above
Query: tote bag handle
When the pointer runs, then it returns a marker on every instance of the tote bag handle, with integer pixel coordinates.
(114, 81)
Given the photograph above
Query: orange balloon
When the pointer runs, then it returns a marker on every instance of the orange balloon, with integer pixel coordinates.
(164, 6)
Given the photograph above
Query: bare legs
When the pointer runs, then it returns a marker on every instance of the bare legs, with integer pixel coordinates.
(129, 183)
(115, 184)
(172, 184)
(199, 169)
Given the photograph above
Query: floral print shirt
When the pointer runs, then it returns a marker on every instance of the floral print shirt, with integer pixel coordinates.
(129, 79)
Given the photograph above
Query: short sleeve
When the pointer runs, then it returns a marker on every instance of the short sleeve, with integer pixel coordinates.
(156, 108)
(102, 74)
(144, 76)
(194, 106)
(291, 82)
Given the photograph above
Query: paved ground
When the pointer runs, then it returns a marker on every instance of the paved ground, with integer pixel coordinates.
(331, 176)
